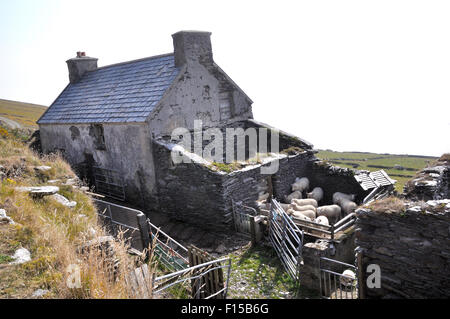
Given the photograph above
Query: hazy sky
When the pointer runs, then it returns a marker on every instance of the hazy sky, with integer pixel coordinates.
(344, 75)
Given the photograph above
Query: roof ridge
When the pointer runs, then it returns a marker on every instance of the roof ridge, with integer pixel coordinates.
(136, 60)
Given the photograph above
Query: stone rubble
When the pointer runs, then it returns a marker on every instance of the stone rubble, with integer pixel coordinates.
(22, 255)
(39, 191)
(64, 201)
(5, 219)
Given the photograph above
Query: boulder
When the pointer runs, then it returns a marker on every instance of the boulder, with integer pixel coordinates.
(39, 191)
(39, 293)
(64, 201)
(5, 219)
(22, 255)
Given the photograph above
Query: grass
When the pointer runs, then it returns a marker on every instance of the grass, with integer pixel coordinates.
(258, 273)
(225, 167)
(293, 150)
(445, 157)
(52, 233)
(361, 161)
(388, 205)
(25, 114)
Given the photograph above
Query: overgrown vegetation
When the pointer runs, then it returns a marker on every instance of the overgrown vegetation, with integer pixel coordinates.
(293, 150)
(445, 157)
(226, 167)
(388, 205)
(258, 273)
(52, 233)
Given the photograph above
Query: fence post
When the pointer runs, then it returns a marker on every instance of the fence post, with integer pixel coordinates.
(253, 230)
(360, 276)
(144, 230)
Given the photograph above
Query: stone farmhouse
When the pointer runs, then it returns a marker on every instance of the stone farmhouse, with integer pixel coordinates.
(114, 124)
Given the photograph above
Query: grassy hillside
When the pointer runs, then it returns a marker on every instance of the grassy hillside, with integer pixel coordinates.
(51, 232)
(25, 114)
(406, 165)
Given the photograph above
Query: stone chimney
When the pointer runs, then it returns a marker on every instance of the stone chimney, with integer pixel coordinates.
(80, 65)
(192, 46)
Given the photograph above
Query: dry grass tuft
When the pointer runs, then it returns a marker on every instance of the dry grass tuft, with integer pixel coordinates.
(444, 158)
(388, 205)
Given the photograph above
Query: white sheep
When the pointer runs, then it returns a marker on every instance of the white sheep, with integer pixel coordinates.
(347, 206)
(323, 220)
(347, 278)
(306, 201)
(293, 195)
(302, 215)
(300, 184)
(332, 212)
(317, 194)
(300, 208)
(285, 206)
(308, 213)
(337, 197)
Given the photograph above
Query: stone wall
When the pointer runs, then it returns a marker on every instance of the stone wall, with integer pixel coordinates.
(196, 194)
(430, 183)
(333, 179)
(412, 249)
(343, 251)
(290, 167)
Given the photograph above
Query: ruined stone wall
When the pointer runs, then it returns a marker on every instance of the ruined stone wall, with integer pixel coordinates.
(194, 193)
(411, 248)
(430, 183)
(126, 149)
(290, 168)
(333, 179)
(189, 192)
(343, 251)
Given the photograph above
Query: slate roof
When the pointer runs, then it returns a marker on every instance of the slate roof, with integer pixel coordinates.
(125, 92)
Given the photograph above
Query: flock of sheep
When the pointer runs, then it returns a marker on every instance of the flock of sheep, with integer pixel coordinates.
(308, 208)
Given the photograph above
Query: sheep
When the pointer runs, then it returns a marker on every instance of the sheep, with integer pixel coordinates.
(347, 206)
(306, 201)
(293, 195)
(337, 197)
(347, 278)
(300, 184)
(302, 216)
(323, 220)
(300, 208)
(285, 206)
(317, 194)
(308, 213)
(332, 212)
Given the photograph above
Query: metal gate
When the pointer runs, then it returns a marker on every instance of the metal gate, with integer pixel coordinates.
(286, 239)
(334, 283)
(243, 218)
(109, 182)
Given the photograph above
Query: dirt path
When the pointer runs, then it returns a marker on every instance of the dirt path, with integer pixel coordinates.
(10, 123)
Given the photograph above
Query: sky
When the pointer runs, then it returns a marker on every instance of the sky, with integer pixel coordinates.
(344, 75)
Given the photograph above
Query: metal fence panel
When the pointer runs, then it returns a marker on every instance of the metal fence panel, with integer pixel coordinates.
(169, 252)
(109, 182)
(116, 218)
(333, 283)
(286, 239)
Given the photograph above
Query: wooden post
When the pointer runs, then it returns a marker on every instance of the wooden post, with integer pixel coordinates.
(360, 275)
(253, 230)
(144, 230)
